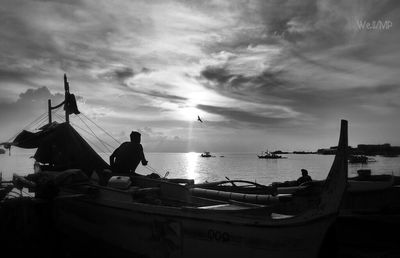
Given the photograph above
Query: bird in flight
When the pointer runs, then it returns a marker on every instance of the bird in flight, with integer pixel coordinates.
(199, 119)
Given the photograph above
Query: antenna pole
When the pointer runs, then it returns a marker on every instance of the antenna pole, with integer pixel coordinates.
(66, 87)
(49, 108)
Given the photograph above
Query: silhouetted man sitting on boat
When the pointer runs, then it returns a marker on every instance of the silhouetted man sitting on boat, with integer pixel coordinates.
(126, 158)
(304, 177)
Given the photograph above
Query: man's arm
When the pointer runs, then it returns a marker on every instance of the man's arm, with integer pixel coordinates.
(143, 158)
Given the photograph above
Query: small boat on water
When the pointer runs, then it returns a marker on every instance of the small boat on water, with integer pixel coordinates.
(160, 217)
(269, 155)
(359, 159)
(206, 154)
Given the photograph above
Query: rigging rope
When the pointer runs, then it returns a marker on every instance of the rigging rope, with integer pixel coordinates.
(30, 124)
(86, 138)
(152, 169)
(104, 143)
(101, 128)
(105, 146)
(40, 123)
(86, 131)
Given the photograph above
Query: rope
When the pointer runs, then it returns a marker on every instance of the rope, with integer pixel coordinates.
(41, 123)
(104, 143)
(101, 128)
(57, 110)
(30, 124)
(90, 134)
(105, 146)
(152, 169)
(86, 139)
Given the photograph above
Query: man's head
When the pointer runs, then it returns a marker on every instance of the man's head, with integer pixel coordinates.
(135, 137)
(304, 172)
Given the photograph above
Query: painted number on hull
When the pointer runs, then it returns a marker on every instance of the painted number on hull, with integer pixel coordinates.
(218, 236)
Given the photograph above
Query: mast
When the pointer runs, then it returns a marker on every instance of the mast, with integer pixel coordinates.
(66, 103)
(66, 87)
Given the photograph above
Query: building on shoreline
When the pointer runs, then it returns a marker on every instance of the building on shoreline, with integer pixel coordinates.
(367, 149)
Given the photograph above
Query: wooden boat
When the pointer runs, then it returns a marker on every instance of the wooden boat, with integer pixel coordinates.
(270, 155)
(358, 186)
(158, 218)
(163, 218)
(358, 159)
(362, 183)
(206, 155)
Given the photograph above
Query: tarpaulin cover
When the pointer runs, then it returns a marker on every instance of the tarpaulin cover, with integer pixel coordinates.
(61, 145)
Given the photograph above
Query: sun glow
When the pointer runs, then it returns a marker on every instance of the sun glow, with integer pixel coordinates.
(189, 113)
(192, 159)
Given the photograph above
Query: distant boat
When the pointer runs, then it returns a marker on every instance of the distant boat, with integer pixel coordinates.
(270, 155)
(206, 155)
(358, 159)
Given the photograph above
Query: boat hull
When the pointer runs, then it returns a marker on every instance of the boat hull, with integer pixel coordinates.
(166, 232)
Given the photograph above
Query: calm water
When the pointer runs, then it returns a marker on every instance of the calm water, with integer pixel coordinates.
(233, 165)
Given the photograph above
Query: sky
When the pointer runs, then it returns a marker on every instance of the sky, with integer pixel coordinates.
(261, 74)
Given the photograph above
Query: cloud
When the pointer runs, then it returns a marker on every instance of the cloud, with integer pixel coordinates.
(246, 64)
(119, 74)
(238, 115)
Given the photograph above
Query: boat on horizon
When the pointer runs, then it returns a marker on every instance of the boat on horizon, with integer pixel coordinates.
(161, 217)
(206, 154)
(270, 155)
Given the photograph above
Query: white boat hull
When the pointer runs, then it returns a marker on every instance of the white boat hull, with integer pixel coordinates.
(176, 232)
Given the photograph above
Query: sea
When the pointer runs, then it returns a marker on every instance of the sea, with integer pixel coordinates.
(243, 166)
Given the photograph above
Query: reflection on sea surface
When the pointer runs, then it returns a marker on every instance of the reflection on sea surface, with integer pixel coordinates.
(233, 165)
(191, 158)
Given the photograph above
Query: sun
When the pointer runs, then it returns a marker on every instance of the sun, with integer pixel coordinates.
(189, 113)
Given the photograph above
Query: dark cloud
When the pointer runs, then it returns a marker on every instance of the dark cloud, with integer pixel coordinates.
(19, 76)
(267, 78)
(259, 88)
(124, 73)
(165, 95)
(217, 74)
(119, 74)
(147, 70)
(159, 94)
(238, 115)
(381, 10)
